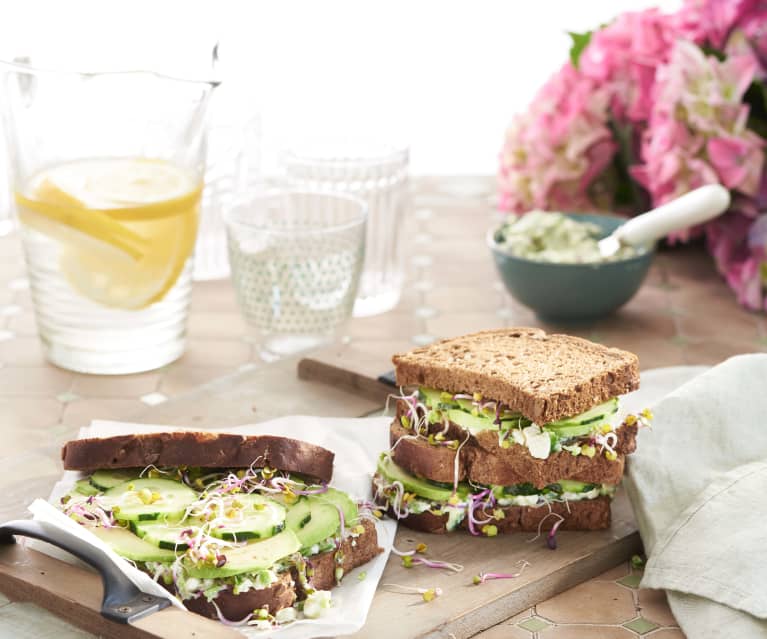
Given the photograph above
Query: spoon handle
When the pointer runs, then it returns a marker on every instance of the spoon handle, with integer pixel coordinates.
(695, 207)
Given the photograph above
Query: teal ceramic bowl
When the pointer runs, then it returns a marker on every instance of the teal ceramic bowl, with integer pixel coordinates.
(573, 293)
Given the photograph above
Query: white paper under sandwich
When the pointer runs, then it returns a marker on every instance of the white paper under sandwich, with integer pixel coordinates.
(342, 612)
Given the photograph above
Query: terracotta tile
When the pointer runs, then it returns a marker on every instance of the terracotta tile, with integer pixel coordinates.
(586, 632)
(80, 413)
(667, 633)
(504, 630)
(619, 571)
(22, 351)
(128, 386)
(219, 352)
(23, 324)
(216, 324)
(654, 607)
(597, 602)
(464, 298)
(181, 379)
(451, 324)
(34, 381)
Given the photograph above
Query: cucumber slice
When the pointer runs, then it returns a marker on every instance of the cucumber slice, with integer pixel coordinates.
(299, 515)
(162, 534)
(149, 499)
(106, 479)
(127, 545)
(590, 416)
(255, 556)
(572, 486)
(565, 431)
(84, 487)
(259, 518)
(323, 523)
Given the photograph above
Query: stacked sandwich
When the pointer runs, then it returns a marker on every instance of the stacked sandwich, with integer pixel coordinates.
(239, 528)
(508, 430)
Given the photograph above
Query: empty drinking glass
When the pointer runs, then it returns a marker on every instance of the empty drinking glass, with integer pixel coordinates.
(296, 258)
(378, 174)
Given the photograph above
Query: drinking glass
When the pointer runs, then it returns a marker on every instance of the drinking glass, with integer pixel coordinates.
(378, 174)
(107, 172)
(296, 258)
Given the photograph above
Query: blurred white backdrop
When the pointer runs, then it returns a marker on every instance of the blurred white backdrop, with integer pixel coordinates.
(445, 75)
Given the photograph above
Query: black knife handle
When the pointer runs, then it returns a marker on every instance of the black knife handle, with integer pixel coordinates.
(123, 601)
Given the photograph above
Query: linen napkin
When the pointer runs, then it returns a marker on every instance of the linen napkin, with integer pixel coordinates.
(356, 443)
(698, 484)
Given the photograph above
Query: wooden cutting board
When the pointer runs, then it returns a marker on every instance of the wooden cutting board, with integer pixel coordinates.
(342, 381)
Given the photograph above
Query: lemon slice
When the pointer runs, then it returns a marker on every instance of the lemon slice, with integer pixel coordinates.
(125, 226)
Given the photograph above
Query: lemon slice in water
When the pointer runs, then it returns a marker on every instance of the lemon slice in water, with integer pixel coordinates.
(125, 226)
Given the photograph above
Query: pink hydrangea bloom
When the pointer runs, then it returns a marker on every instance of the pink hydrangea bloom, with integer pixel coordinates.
(554, 150)
(697, 131)
(624, 56)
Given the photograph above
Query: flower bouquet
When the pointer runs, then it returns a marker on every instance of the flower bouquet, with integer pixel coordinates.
(648, 107)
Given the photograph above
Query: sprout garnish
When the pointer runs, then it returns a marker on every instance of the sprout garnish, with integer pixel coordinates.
(488, 576)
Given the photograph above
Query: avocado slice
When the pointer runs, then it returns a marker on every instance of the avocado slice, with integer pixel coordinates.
(255, 556)
(341, 500)
(127, 545)
(565, 431)
(324, 523)
(572, 486)
(299, 514)
(411, 483)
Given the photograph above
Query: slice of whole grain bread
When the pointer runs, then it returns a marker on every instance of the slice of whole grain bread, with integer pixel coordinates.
(198, 448)
(544, 377)
(588, 514)
(484, 461)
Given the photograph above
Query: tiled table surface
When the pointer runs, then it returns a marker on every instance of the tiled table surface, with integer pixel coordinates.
(684, 314)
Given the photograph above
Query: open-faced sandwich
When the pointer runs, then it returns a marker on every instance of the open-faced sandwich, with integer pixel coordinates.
(508, 430)
(237, 527)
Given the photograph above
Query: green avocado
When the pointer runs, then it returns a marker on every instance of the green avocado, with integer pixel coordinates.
(421, 487)
(472, 423)
(324, 523)
(341, 500)
(572, 486)
(255, 556)
(565, 431)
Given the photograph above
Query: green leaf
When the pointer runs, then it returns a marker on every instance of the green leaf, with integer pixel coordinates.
(580, 42)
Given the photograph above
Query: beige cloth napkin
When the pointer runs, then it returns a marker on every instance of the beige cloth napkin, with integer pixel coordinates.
(698, 484)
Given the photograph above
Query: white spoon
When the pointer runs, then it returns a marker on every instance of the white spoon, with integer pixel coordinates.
(698, 206)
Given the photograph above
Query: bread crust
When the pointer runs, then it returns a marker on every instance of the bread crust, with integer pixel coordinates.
(588, 514)
(544, 377)
(198, 448)
(279, 595)
(287, 590)
(484, 461)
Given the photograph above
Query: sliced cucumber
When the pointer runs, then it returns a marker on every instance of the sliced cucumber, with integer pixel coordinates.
(127, 545)
(84, 487)
(149, 499)
(164, 535)
(572, 486)
(590, 416)
(106, 479)
(299, 515)
(565, 431)
(258, 518)
(255, 556)
(324, 522)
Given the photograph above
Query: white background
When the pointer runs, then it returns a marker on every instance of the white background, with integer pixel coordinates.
(446, 76)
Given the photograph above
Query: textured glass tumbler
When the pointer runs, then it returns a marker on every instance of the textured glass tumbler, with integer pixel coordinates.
(378, 174)
(296, 258)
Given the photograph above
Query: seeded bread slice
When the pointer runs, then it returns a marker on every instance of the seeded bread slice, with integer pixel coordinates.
(484, 461)
(588, 514)
(287, 589)
(544, 377)
(198, 448)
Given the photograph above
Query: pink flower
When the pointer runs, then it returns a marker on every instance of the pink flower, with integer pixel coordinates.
(697, 131)
(624, 56)
(738, 162)
(554, 151)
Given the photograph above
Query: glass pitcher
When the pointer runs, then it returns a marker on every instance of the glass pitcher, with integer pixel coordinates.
(107, 175)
